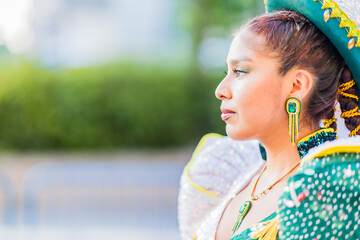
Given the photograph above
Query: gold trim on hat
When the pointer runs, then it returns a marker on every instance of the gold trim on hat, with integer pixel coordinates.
(345, 22)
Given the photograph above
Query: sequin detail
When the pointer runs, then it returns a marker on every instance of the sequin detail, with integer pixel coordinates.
(351, 43)
(327, 15)
(319, 138)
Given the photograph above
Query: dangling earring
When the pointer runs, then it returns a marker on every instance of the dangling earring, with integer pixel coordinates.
(293, 109)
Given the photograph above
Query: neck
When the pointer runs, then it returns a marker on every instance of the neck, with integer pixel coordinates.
(281, 154)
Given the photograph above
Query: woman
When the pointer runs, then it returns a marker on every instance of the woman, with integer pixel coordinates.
(284, 76)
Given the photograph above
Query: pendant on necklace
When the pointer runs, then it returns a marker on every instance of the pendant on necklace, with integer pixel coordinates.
(244, 209)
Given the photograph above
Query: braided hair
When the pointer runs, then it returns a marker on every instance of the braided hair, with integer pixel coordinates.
(349, 102)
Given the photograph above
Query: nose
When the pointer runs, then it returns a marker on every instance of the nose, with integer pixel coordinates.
(222, 91)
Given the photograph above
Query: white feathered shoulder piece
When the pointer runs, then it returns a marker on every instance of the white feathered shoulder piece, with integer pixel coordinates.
(207, 178)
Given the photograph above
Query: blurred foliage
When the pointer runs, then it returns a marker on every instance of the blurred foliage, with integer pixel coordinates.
(112, 106)
(209, 18)
(122, 104)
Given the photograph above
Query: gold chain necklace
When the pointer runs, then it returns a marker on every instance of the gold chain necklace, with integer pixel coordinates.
(244, 209)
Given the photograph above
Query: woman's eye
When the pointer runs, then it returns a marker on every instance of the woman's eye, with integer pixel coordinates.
(239, 73)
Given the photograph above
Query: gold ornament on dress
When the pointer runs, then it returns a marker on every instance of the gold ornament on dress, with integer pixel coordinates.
(269, 230)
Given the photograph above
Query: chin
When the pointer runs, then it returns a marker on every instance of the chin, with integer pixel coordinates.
(237, 134)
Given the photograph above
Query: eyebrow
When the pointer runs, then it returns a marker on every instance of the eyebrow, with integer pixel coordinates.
(237, 60)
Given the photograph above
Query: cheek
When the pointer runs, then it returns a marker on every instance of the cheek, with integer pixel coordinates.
(257, 100)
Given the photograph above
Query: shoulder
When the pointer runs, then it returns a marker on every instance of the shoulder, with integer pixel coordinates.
(332, 150)
(332, 160)
(323, 198)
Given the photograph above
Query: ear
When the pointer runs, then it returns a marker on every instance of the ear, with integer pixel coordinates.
(302, 84)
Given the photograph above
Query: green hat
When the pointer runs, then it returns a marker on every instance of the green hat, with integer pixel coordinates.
(337, 19)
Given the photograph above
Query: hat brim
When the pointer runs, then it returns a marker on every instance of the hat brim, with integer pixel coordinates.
(338, 35)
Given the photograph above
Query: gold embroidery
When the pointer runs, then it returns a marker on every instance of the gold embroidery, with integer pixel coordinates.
(269, 230)
(345, 22)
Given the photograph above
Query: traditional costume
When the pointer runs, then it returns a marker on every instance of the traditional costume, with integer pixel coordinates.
(322, 200)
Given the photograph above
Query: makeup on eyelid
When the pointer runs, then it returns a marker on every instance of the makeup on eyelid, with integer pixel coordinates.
(242, 69)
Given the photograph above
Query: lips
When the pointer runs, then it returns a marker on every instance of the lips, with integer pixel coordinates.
(226, 114)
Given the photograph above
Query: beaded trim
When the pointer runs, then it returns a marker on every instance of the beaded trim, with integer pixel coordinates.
(315, 139)
(333, 11)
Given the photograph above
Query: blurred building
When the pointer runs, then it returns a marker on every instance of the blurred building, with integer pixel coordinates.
(86, 32)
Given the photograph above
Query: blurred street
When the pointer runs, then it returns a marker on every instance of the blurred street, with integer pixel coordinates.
(118, 195)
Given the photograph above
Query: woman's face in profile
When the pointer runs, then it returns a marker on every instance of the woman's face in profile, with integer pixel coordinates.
(252, 94)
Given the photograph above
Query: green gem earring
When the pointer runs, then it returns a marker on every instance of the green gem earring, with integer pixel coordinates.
(293, 109)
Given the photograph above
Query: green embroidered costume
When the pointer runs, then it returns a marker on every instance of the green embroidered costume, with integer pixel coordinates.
(322, 200)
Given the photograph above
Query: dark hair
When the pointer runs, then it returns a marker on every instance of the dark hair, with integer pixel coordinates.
(296, 42)
(349, 104)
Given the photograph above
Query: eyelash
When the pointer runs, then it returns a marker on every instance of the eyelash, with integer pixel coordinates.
(235, 71)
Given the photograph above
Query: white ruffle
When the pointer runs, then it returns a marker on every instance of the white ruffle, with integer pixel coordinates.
(223, 166)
